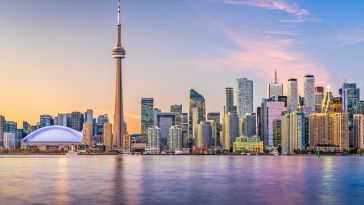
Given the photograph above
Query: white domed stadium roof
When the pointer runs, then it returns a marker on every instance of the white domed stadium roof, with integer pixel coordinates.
(54, 134)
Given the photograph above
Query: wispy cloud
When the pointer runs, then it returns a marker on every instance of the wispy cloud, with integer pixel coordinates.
(299, 13)
(349, 38)
(260, 55)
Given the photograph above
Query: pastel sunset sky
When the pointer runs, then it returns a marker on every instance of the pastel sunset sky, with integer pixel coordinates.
(55, 55)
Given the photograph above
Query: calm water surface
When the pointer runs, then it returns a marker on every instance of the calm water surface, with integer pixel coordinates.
(181, 180)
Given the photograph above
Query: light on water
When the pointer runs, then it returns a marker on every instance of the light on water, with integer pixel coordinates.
(181, 180)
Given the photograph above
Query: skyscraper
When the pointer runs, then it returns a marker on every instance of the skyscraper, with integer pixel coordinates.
(230, 130)
(45, 120)
(309, 92)
(275, 88)
(119, 123)
(203, 136)
(229, 100)
(292, 95)
(271, 110)
(107, 135)
(61, 119)
(350, 94)
(175, 139)
(244, 95)
(164, 121)
(319, 96)
(2, 129)
(147, 106)
(89, 115)
(329, 129)
(358, 131)
(215, 116)
(76, 121)
(87, 133)
(247, 125)
(196, 101)
(154, 134)
(177, 110)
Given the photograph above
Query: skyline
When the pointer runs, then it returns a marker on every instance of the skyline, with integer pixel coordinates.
(91, 26)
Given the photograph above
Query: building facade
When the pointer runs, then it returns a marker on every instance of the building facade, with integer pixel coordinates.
(244, 95)
(147, 116)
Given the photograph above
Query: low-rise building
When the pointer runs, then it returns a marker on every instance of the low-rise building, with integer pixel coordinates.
(248, 144)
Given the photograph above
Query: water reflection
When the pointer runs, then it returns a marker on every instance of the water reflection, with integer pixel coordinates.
(61, 196)
(182, 180)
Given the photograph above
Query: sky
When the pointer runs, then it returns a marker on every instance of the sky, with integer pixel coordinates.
(55, 55)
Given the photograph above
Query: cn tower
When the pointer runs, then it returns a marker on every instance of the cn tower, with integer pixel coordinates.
(118, 141)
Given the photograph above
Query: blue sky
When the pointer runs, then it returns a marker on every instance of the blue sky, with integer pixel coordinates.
(56, 55)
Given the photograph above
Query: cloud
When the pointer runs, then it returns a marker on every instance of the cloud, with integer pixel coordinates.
(349, 38)
(279, 5)
(261, 54)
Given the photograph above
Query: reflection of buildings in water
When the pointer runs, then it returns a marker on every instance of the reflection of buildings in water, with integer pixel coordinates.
(62, 182)
(127, 180)
(328, 182)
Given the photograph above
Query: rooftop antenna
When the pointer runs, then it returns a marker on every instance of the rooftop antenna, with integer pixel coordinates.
(119, 12)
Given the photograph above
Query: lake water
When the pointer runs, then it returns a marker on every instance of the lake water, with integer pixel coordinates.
(181, 180)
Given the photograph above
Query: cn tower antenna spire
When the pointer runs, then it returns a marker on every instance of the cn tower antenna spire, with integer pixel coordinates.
(118, 12)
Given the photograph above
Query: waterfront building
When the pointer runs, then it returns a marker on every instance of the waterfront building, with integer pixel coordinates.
(177, 110)
(154, 135)
(185, 130)
(319, 95)
(247, 125)
(244, 95)
(175, 139)
(147, 114)
(45, 120)
(120, 127)
(196, 101)
(309, 92)
(9, 140)
(292, 95)
(164, 120)
(329, 129)
(194, 124)
(275, 88)
(285, 133)
(358, 131)
(230, 130)
(277, 132)
(297, 131)
(52, 137)
(248, 144)
(229, 100)
(87, 134)
(270, 110)
(215, 117)
(203, 136)
(107, 136)
(2, 129)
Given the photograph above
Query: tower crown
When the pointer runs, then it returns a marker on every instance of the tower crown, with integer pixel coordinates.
(118, 51)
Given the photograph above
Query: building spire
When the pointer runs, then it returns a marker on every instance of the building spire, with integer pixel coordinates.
(118, 12)
(275, 77)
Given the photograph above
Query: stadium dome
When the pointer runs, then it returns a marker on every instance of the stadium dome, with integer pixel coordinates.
(54, 134)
